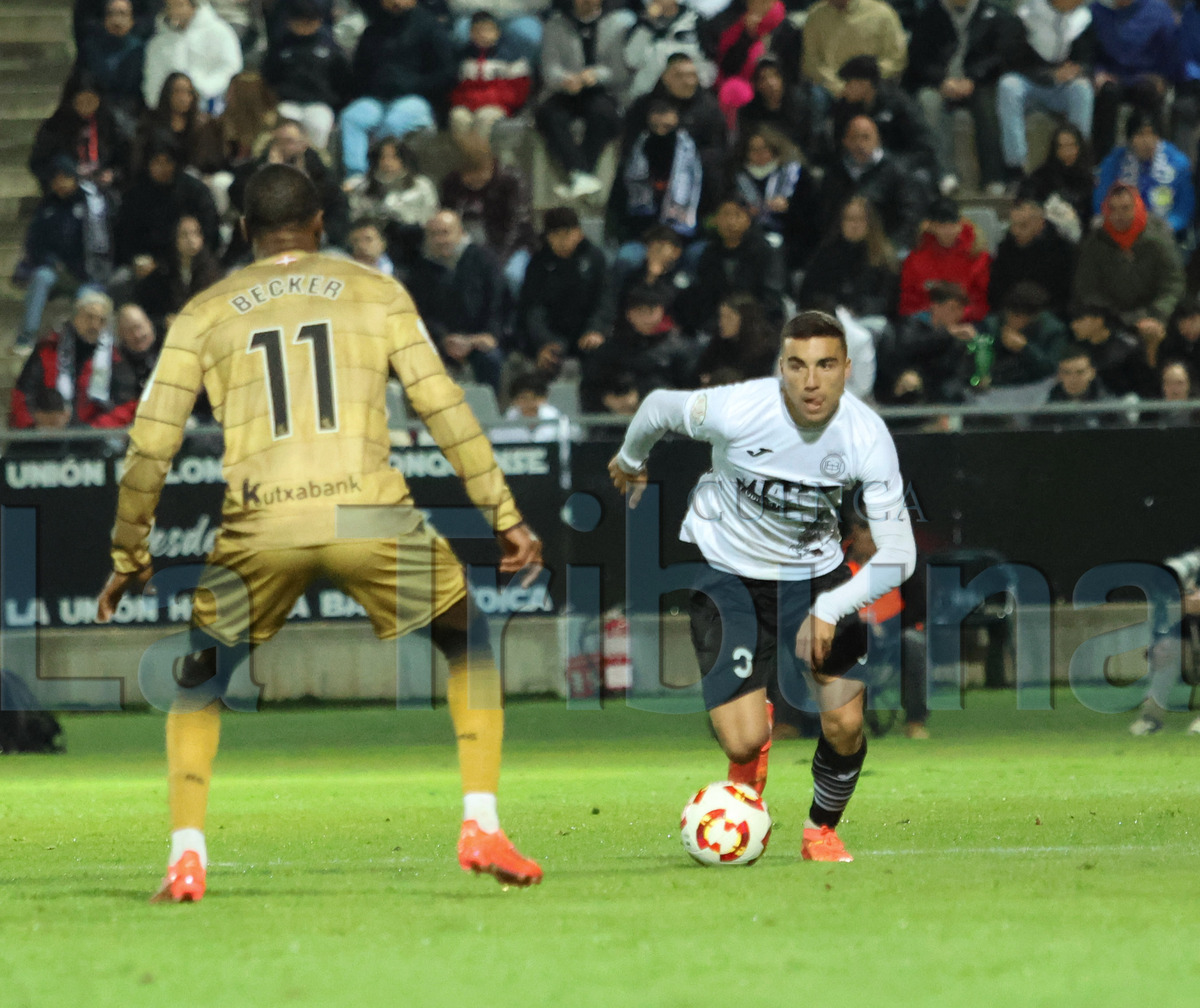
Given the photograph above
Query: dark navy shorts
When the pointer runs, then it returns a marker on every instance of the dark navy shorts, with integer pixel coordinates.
(738, 622)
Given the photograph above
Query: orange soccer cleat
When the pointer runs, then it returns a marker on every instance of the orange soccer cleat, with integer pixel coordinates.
(823, 844)
(184, 882)
(493, 854)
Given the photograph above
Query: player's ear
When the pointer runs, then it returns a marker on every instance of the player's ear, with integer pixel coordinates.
(318, 224)
(243, 229)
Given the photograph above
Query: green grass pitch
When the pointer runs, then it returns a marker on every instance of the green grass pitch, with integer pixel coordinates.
(1017, 858)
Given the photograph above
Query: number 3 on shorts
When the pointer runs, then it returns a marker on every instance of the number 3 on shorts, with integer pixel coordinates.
(742, 659)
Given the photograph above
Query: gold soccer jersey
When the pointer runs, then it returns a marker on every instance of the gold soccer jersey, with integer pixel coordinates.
(294, 352)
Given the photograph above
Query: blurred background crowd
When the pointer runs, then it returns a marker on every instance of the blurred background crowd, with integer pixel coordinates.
(589, 200)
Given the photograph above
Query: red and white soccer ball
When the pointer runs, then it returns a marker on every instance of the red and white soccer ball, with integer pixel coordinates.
(725, 824)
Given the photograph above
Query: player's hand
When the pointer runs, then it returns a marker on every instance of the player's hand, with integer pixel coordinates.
(115, 588)
(590, 341)
(633, 484)
(813, 641)
(522, 551)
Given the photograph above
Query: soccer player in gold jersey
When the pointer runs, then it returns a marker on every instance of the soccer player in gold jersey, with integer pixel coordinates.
(295, 352)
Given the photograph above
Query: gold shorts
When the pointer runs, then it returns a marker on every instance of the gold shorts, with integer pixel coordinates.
(246, 594)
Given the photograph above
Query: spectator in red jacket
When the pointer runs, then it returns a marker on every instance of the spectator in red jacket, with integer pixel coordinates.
(948, 250)
(493, 81)
(77, 360)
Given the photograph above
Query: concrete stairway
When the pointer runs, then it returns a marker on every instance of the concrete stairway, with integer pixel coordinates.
(36, 52)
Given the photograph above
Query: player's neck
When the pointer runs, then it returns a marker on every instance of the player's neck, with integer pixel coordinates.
(284, 240)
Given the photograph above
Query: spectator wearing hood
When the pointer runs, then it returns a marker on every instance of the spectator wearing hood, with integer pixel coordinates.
(1130, 265)
(191, 38)
(949, 249)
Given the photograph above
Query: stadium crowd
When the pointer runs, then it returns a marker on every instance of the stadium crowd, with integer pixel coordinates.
(768, 156)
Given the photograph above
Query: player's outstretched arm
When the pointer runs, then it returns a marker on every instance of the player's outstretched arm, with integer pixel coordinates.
(115, 589)
(661, 411)
(522, 550)
(626, 482)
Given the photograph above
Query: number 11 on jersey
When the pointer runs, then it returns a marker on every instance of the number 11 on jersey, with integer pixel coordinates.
(270, 342)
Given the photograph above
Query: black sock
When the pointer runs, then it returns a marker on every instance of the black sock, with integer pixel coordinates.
(834, 777)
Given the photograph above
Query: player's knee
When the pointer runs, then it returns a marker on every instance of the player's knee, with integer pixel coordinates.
(744, 748)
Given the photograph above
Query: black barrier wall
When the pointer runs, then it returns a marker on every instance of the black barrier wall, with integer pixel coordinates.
(1060, 502)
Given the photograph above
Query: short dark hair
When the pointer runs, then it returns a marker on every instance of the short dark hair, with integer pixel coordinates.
(279, 196)
(304, 10)
(812, 324)
(644, 296)
(1093, 309)
(662, 233)
(737, 198)
(481, 15)
(531, 381)
(660, 106)
(162, 141)
(48, 400)
(1025, 298)
(941, 291)
(1076, 351)
(559, 218)
(944, 210)
(365, 222)
(862, 67)
(1139, 119)
(679, 56)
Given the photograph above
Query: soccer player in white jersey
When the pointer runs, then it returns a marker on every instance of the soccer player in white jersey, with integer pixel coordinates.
(765, 518)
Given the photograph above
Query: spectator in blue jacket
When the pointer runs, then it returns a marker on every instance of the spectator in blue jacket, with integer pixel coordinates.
(403, 69)
(1136, 46)
(1159, 170)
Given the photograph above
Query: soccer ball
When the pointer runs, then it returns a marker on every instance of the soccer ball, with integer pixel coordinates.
(725, 824)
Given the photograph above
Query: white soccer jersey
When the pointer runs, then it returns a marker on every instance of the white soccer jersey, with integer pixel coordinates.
(768, 508)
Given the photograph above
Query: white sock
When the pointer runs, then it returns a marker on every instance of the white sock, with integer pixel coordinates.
(481, 806)
(186, 840)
